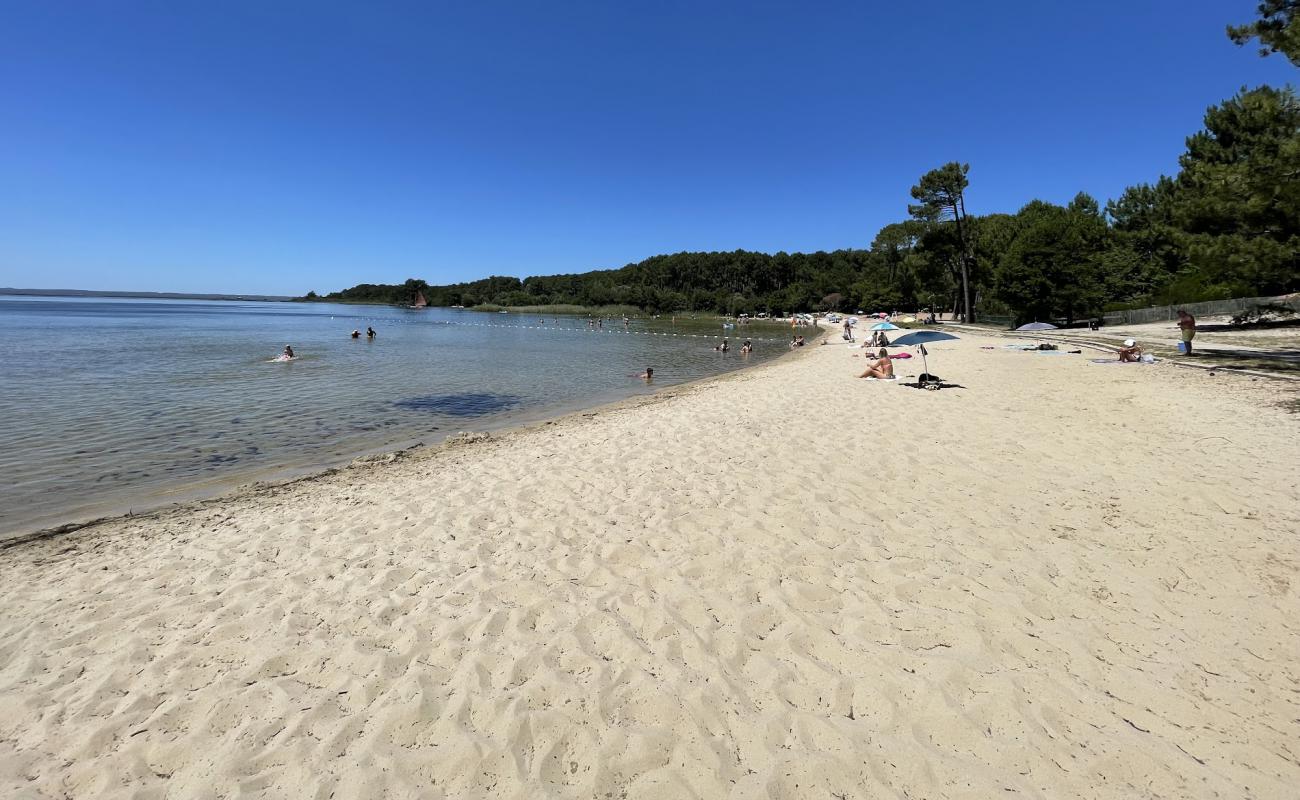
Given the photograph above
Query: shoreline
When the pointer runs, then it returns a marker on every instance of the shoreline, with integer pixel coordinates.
(783, 581)
(195, 495)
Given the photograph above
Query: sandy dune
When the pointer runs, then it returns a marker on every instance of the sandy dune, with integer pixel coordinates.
(1064, 580)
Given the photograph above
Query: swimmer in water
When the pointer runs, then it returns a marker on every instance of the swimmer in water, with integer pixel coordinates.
(648, 375)
(288, 352)
(370, 332)
(356, 334)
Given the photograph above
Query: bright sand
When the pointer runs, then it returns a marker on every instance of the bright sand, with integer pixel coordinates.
(1065, 580)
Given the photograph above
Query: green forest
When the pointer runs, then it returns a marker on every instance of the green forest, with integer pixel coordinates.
(1226, 225)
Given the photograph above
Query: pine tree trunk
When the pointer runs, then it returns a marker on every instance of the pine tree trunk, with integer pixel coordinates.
(969, 316)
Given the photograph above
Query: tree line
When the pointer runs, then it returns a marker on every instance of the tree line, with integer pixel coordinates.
(1226, 225)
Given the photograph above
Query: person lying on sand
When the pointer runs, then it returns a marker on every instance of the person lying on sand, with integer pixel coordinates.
(1130, 352)
(881, 368)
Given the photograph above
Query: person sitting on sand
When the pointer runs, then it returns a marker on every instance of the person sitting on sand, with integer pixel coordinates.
(881, 368)
(288, 352)
(356, 334)
(1130, 352)
(370, 332)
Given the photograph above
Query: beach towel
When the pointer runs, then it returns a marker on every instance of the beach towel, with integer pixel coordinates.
(1117, 361)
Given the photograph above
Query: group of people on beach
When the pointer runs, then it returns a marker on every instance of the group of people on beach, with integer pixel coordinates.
(1131, 351)
(370, 333)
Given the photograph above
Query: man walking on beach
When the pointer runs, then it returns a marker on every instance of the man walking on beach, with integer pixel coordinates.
(1187, 324)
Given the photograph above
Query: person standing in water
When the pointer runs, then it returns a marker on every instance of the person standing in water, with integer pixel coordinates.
(288, 352)
(370, 332)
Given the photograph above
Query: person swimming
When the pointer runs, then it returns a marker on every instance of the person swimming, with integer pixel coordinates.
(288, 352)
(648, 375)
(370, 332)
(356, 334)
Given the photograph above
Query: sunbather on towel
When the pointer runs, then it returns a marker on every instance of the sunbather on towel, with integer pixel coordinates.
(882, 367)
(1130, 352)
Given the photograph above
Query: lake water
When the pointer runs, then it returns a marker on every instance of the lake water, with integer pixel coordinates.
(119, 404)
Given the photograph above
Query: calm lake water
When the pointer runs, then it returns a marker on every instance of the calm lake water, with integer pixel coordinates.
(118, 404)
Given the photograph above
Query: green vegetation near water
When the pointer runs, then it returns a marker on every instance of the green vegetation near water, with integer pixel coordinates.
(1226, 225)
(569, 309)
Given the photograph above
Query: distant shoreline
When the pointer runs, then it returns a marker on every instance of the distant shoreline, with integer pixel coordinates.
(9, 291)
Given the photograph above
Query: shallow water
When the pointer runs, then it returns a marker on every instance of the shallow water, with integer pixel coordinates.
(114, 404)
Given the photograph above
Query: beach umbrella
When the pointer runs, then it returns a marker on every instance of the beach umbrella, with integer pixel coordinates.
(1037, 326)
(919, 339)
(885, 326)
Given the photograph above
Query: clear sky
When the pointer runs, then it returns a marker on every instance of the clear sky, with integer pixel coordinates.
(276, 147)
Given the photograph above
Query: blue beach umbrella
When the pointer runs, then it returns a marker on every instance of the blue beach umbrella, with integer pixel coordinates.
(1037, 326)
(919, 339)
(885, 326)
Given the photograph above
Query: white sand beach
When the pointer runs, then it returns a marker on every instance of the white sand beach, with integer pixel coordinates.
(1061, 580)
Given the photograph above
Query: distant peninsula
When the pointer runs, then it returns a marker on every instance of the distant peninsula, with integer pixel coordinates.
(5, 290)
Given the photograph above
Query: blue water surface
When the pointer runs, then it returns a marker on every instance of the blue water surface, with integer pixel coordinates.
(113, 404)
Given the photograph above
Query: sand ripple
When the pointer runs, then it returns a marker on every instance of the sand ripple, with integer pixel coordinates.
(782, 584)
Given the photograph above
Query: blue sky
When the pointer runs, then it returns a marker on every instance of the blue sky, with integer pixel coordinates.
(276, 147)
